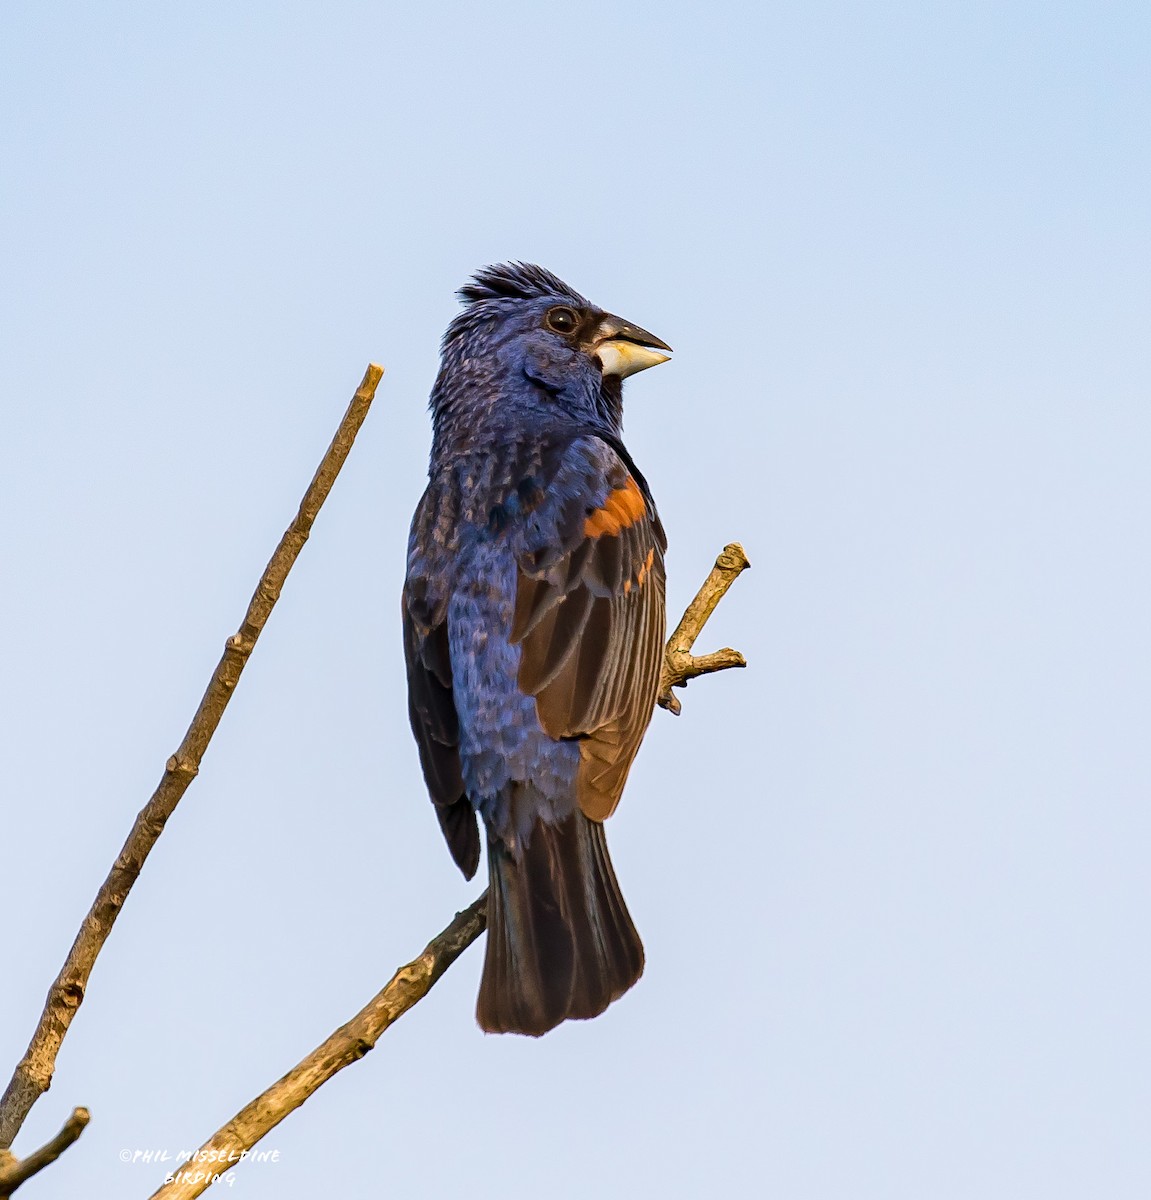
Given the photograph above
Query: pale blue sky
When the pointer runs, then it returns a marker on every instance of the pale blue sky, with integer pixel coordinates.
(892, 879)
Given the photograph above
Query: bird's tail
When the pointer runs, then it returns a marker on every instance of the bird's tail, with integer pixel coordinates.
(561, 943)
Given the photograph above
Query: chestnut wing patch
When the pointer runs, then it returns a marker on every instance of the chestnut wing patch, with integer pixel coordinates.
(623, 507)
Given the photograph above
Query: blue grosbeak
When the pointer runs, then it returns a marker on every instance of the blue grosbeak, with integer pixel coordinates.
(533, 632)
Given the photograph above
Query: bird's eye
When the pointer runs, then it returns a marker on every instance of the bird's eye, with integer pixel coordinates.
(562, 320)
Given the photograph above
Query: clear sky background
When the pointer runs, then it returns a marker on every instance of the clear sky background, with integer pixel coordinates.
(893, 878)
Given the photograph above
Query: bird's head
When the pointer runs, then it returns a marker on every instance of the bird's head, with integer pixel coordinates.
(526, 341)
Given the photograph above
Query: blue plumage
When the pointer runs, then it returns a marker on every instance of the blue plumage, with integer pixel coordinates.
(534, 622)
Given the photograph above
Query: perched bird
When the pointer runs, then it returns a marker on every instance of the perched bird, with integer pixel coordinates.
(533, 632)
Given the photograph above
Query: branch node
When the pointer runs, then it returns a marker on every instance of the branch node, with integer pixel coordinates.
(239, 645)
(361, 1047)
(181, 766)
(733, 558)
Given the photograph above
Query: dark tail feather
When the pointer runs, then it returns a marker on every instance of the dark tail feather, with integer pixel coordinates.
(561, 943)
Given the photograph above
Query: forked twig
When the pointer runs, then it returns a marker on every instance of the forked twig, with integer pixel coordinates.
(679, 664)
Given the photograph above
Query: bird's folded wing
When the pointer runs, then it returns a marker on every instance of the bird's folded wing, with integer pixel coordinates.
(432, 711)
(590, 614)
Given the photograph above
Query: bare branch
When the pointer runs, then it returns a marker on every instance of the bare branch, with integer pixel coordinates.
(15, 1171)
(33, 1075)
(349, 1043)
(679, 664)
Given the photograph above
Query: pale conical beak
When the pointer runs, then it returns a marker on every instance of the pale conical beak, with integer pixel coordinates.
(623, 348)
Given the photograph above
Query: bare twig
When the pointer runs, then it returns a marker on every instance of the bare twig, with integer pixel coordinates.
(410, 984)
(15, 1171)
(33, 1075)
(679, 664)
(347, 1045)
